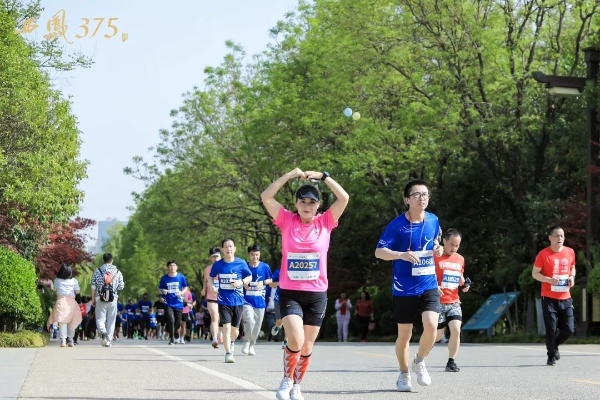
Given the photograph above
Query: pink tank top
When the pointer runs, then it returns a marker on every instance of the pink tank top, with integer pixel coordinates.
(209, 282)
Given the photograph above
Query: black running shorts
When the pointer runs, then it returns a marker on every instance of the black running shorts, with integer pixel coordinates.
(230, 315)
(407, 308)
(310, 306)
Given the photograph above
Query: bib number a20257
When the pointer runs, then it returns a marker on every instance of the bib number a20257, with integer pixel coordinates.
(303, 266)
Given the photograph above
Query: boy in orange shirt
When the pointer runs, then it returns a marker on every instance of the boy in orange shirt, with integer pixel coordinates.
(449, 268)
(554, 266)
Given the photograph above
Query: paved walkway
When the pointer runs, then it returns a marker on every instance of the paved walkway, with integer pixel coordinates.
(144, 370)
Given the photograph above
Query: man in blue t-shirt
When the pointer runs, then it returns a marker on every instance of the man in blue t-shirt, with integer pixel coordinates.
(233, 273)
(130, 309)
(409, 241)
(173, 286)
(254, 295)
(145, 305)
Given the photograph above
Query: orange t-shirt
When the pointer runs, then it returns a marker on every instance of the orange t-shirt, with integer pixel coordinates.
(449, 270)
(557, 265)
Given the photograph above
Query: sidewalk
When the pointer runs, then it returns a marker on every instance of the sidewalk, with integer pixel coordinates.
(14, 367)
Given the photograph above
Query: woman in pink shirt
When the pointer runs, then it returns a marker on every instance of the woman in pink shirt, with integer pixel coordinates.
(303, 281)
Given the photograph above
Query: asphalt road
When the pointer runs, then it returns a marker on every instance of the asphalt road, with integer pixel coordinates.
(152, 370)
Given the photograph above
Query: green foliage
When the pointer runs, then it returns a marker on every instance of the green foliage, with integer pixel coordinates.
(527, 284)
(28, 339)
(39, 135)
(20, 304)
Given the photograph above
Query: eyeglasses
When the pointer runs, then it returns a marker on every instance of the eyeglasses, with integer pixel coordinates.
(418, 195)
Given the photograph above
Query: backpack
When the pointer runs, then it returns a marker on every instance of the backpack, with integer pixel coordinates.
(107, 292)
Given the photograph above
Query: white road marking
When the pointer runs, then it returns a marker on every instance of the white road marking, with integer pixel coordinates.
(268, 394)
(587, 382)
(544, 350)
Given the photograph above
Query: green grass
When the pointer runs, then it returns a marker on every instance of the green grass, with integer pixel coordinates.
(27, 339)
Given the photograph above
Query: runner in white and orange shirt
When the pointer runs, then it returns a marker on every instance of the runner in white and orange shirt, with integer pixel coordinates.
(215, 330)
(305, 238)
(450, 269)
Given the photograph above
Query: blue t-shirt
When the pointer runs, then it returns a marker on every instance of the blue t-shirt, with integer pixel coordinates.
(276, 279)
(253, 297)
(119, 309)
(145, 306)
(173, 285)
(400, 235)
(124, 319)
(130, 308)
(152, 320)
(227, 272)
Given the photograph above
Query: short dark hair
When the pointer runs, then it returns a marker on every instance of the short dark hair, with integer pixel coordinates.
(171, 262)
(452, 232)
(254, 247)
(65, 272)
(145, 294)
(553, 229)
(412, 183)
(214, 250)
(107, 257)
(227, 240)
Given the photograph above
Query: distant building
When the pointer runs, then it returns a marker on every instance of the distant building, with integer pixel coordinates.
(103, 232)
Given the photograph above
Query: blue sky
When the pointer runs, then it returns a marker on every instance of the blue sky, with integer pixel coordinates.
(125, 98)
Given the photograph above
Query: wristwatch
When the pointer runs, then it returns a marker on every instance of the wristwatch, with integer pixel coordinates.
(325, 176)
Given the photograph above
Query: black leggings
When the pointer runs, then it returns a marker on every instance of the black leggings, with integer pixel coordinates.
(363, 323)
(173, 322)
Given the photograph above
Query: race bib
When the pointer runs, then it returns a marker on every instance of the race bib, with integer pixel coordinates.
(253, 291)
(160, 312)
(225, 281)
(563, 284)
(145, 309)
(451, 279)
(425, 266)
(303, 266)
(216, 281)
(130, 311)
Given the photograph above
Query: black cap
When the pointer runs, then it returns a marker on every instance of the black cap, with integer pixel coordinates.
(308, 192)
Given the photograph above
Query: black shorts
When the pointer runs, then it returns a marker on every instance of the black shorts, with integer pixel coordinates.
(230, 315)
(310, 306)
(185, 317)
(406, 308)
(161, 320)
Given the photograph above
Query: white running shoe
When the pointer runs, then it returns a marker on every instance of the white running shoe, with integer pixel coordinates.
(246, 348)
(181, 340)
(104, 336)
(251, 351)
(423, 377)
(285, 388)
(295, 394)
(229, 358)
(403, 384)
(275, 330)
(108, 344)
